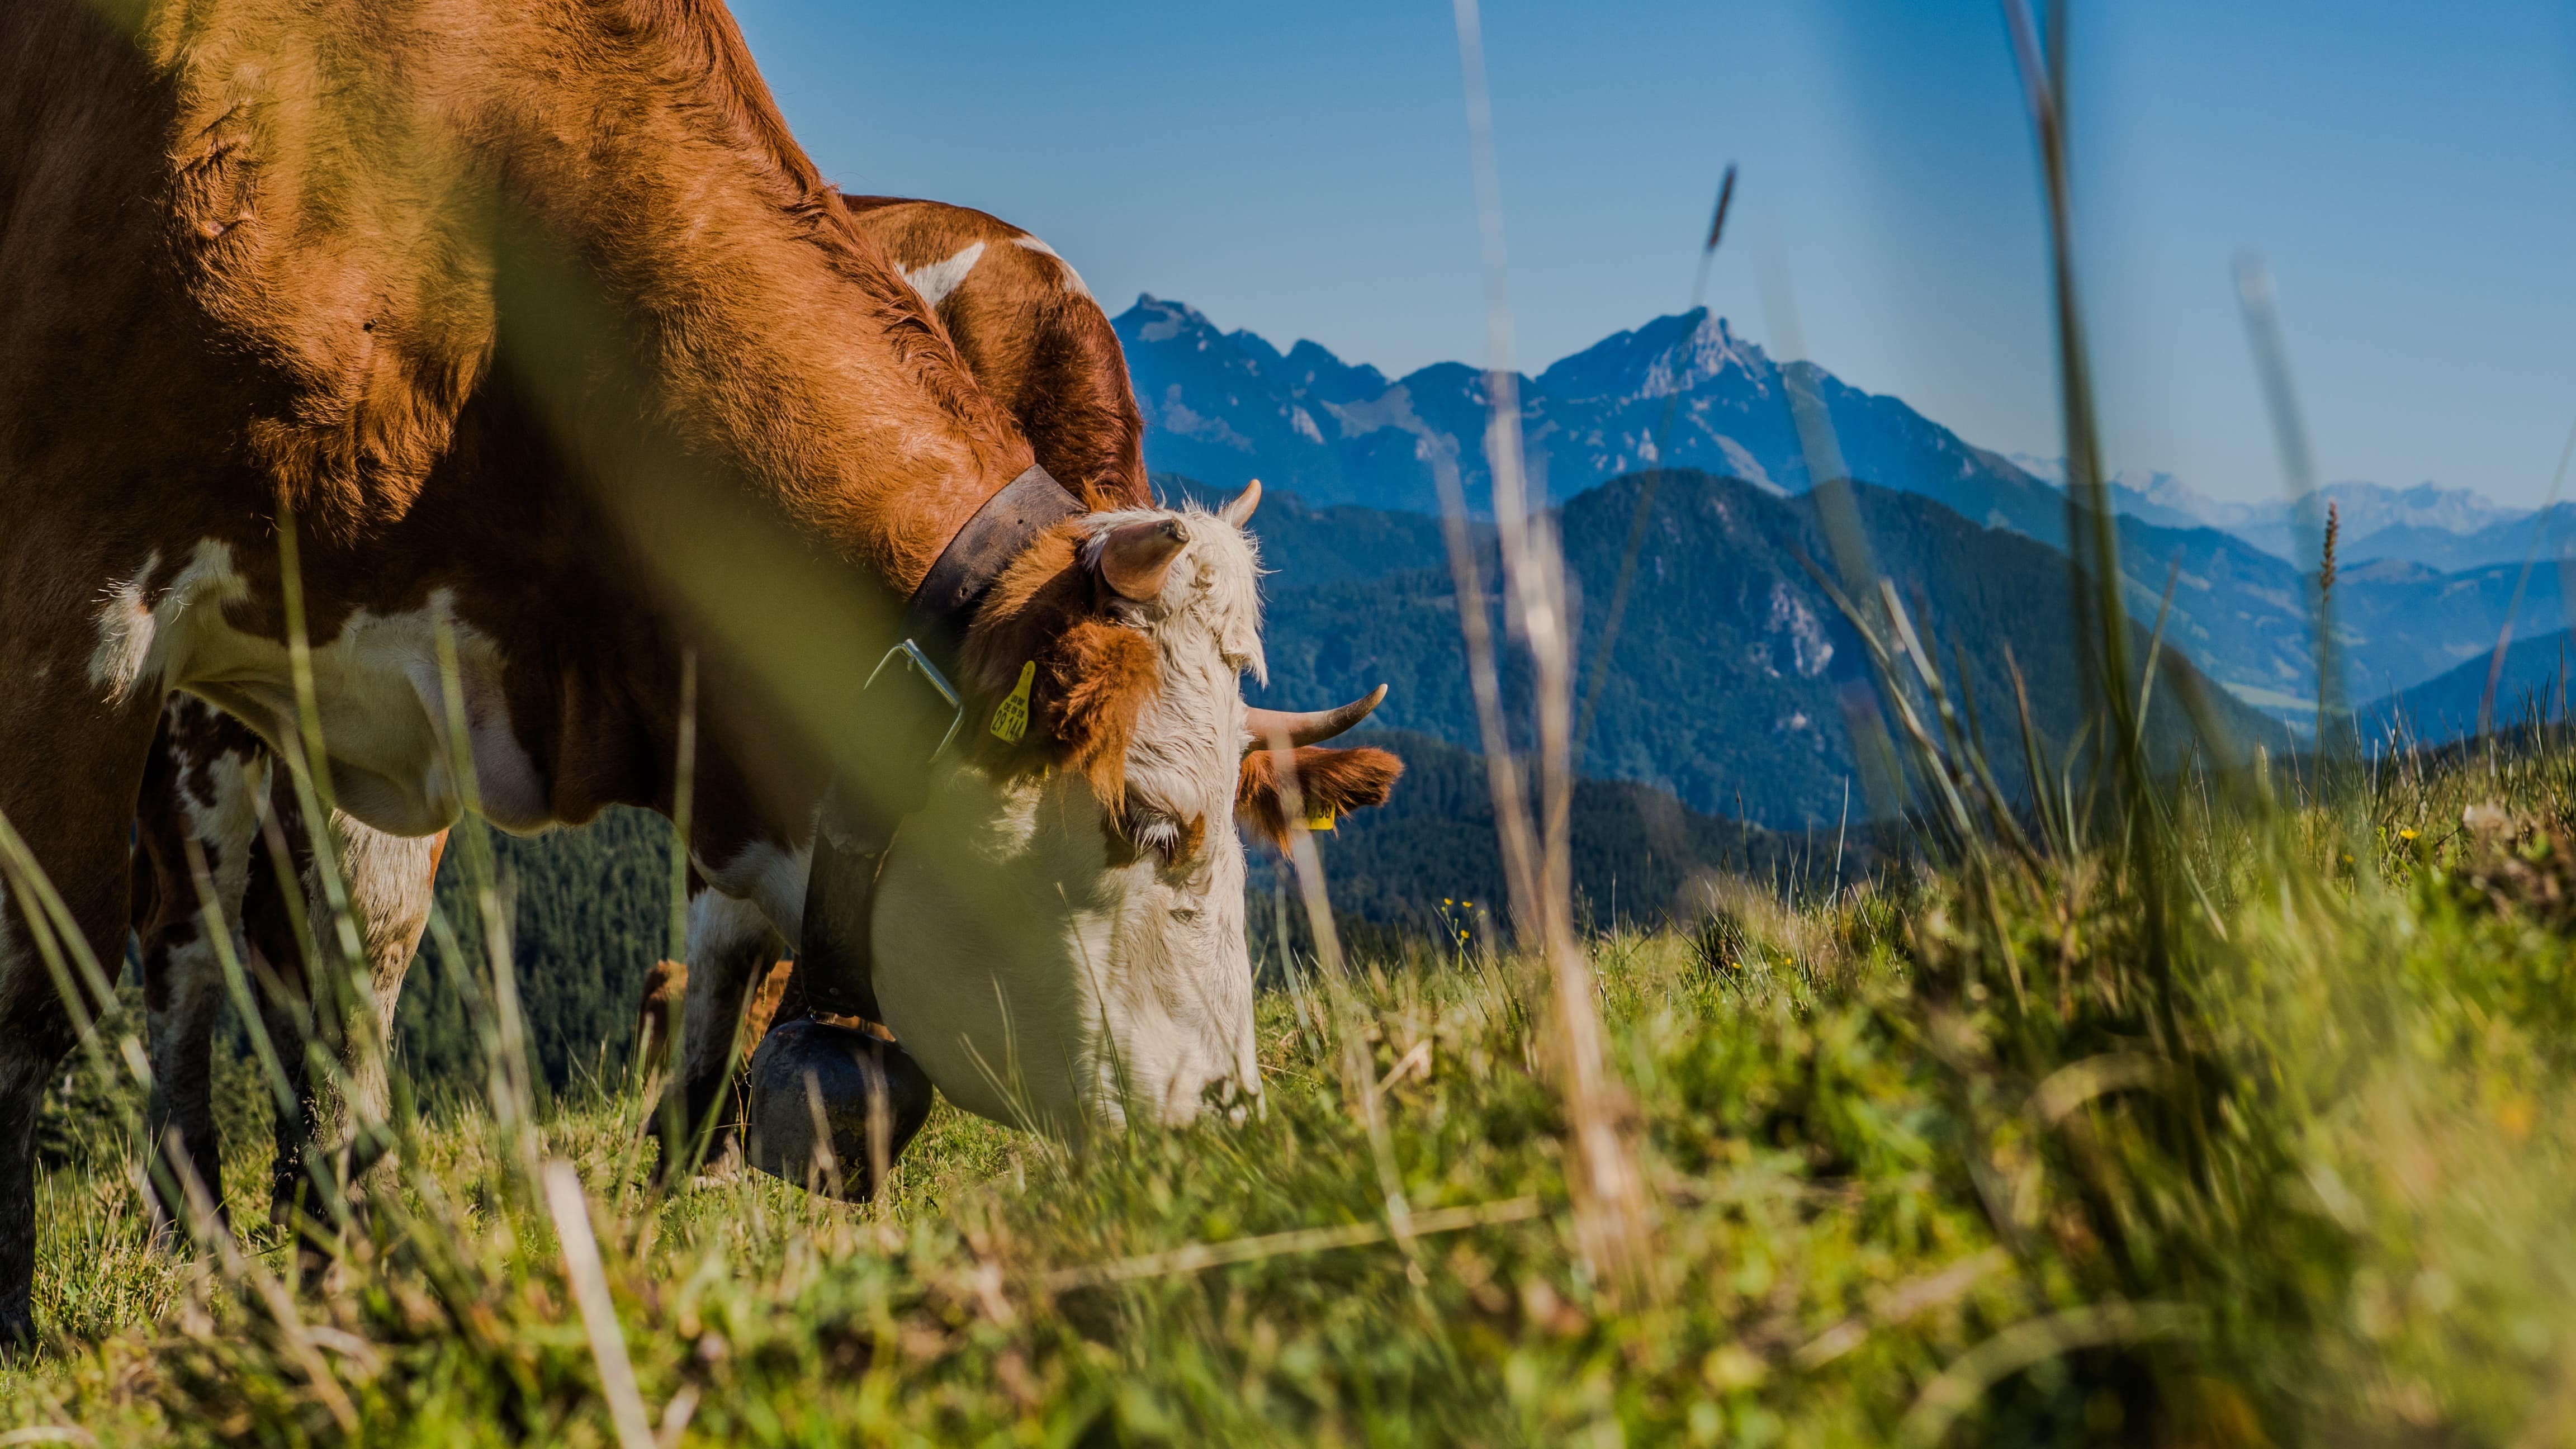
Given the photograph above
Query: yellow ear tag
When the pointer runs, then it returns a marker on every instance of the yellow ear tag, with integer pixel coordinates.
(1320, 823)
(1011, 716)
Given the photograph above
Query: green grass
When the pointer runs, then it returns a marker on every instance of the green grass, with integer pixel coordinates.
(1914, 1155)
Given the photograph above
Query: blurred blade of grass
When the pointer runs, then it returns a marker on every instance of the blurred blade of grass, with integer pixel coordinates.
(2258, 300)
(1197, 1257)
(2032, 1341)
(1646, 490)
(1614, 1213)
(58, 940)
(1855, 565)
(509, 1088)
(1359, 1076)
(570, 1209)
(656, 1063)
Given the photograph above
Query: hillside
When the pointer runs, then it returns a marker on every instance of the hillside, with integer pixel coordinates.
(1728, 677)
(1636, 850)
(2533, 684)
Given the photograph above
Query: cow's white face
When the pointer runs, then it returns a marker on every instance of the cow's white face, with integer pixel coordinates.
(1058, 959)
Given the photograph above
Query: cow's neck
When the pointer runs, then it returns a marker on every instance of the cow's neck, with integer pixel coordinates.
(776, 350)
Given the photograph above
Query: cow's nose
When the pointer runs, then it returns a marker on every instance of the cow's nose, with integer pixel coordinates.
(1229, 1096)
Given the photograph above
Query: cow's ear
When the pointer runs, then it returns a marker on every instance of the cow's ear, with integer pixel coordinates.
(1330, 784)
(1053, 683)
(1092, 682)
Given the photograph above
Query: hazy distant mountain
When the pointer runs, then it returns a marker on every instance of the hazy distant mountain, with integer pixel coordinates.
(2381, 522)
(2447, 528)
(2514, 539)
(2151, 497)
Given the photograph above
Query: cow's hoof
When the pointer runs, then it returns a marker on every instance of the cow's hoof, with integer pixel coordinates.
(814, 1089)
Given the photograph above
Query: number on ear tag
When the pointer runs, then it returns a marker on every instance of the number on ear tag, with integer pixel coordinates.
(1320, 823)
(1011, 716)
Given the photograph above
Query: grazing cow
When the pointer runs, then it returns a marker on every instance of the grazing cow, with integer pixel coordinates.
(514, 354)
(1038, 342)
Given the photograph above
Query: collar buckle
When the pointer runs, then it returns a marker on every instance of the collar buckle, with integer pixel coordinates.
(928, 673)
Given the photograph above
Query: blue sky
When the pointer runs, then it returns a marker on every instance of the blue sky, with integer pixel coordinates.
(2409, 170)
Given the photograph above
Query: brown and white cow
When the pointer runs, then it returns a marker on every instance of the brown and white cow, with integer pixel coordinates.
(1038, 342)
(528, 332)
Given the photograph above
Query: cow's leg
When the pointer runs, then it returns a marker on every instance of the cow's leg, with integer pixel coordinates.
(390, 883)
(279, 973)
(731, 946)
(204, 782)
(71, 765)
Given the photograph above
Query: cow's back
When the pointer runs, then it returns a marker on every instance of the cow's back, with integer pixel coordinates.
(1032, 334)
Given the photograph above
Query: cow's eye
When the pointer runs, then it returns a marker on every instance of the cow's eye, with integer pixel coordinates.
(1155, 831)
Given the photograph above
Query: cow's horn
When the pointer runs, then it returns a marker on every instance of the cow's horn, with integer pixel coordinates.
(1306, 727)
(1239, 512)
(1135, 556)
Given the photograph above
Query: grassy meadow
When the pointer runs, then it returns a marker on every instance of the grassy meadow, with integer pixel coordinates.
(1976, 1155)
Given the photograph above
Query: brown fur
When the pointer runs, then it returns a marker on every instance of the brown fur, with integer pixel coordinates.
(1096, 677)
(763, 1007)
(533, 303)
(1093, 675)
(666, 990)
(1339, 781)
(657, 1015)
(1044, 351)
(1039, 345)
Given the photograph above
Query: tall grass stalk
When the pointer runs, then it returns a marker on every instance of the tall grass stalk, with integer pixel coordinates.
(1643, 514)
(509, 1090)
(1359, 1076)
(1614, 1212)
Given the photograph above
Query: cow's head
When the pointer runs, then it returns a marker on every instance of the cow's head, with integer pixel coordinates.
(1059, 936)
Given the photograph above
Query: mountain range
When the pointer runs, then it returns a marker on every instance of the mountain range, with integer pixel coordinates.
(2427, 579)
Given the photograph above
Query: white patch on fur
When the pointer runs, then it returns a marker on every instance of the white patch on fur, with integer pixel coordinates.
(382, 701)
(720, 924)
(228, 829)
(192, 976)
(731, 945)
(141, 630)
(1072, 278)
(935, 281)
(765, 878)
(391, 878)
(1045, 977)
